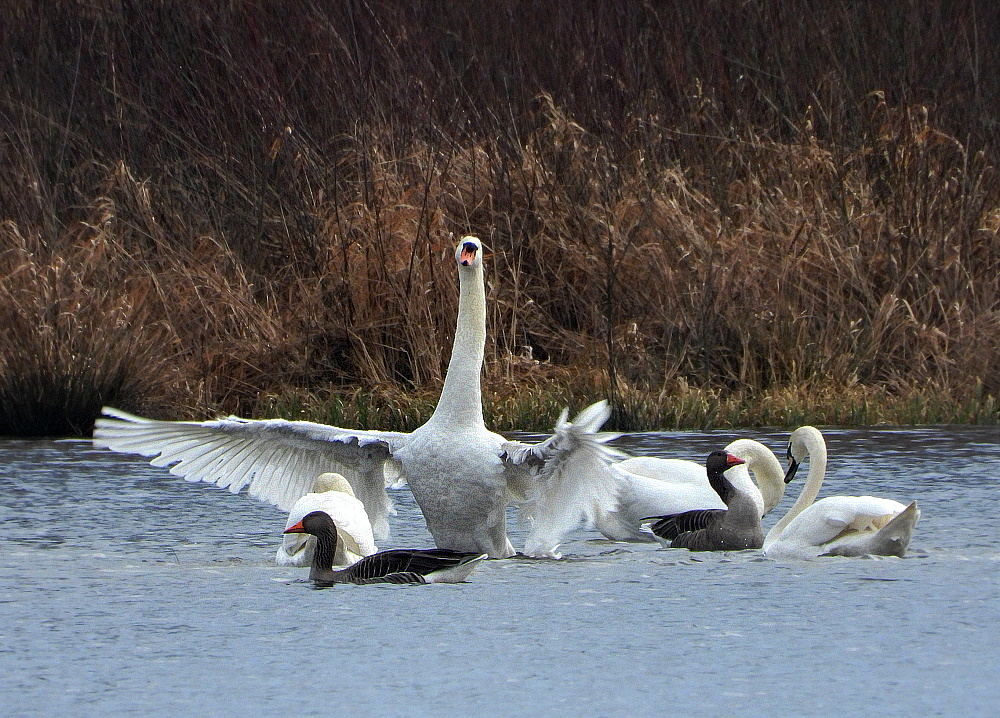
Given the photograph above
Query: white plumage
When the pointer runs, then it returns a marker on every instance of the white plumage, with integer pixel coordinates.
(653, 486)
(838, 525)
(461, 474)
(332, 495)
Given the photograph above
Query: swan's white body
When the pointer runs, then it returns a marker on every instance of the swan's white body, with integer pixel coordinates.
(653, 486)
(838, 525)
(333, 495)
(461, 474)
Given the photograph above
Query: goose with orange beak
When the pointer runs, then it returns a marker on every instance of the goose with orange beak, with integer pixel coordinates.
(734, 528)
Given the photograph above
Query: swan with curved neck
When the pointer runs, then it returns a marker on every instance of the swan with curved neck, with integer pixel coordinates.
(393, 566)
(461, 474)
(735, 528)
(654, 486)
(333, 495)
(836, 525)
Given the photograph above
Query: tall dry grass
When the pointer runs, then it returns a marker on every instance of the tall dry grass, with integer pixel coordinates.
(708, 212)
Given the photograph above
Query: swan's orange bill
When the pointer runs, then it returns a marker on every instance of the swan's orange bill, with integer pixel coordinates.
(468, 256)
(296, 529)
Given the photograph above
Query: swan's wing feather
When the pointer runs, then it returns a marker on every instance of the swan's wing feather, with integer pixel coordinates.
(392, 470)
(565, 478)
(670, 527)
(673, 471)
(277, 461)
(641, 495)
(586, 423)
(834, 516)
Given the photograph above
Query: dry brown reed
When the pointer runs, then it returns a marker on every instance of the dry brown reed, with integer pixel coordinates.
(251, 208)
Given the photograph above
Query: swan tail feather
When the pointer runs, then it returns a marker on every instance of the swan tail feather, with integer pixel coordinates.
(891, 540)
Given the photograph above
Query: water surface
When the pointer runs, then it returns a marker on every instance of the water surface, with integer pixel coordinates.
(127, 591)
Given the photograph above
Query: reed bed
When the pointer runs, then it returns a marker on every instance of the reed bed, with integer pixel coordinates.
(237, 208)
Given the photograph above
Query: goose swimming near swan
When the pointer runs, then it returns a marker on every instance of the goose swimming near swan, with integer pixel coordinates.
(393, 566)
(333, 495)
(461, 474)
(836, 525)
(654, 486)
(735, 528)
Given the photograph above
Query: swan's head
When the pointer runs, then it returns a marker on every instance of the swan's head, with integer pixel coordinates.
(469, 252)
(793, 464)
(332, 482)
(802, 441)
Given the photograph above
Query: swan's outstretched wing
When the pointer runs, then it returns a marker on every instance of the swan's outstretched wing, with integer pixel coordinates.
(564, 478)
(354, 530)
(277, 460)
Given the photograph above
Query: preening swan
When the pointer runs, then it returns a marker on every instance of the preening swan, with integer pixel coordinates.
(653, 486)
(333, 495)
(836, 525)
(394, 566)
(734, 528)
(462, 475)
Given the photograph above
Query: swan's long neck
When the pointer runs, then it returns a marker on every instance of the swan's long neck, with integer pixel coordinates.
(816, 448)
(461, 401)
(764, 466)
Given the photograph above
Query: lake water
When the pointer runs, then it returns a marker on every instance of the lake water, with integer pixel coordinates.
(126, 591)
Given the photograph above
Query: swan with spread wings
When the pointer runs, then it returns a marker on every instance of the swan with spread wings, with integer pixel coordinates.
(462, 475)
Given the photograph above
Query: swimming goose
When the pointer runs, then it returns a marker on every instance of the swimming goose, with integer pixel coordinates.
(836, 525)
(393, 566)
(461, 474)
(653, 486)
(734, 528)
(333, 495)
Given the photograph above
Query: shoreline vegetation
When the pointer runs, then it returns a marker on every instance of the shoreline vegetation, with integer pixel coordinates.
(712, 214)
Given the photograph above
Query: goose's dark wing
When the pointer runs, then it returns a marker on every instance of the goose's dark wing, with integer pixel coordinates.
(670, 527)
(407, 566)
